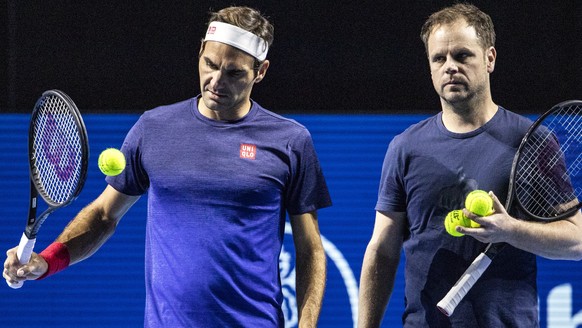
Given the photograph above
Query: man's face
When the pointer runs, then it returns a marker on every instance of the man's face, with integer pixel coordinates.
(459, 65)
(226, 80)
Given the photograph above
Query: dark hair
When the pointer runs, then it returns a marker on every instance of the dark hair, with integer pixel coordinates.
(462, 11)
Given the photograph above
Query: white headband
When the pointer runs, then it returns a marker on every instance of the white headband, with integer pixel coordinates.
(238, 38)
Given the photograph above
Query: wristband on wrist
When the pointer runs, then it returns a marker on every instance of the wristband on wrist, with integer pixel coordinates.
(58, 258)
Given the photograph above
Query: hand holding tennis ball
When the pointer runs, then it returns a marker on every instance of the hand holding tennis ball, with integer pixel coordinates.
(480, 203)
(456, 218)
(111, 162)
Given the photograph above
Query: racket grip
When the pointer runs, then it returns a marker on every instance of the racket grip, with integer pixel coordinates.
(448, 304)
(24, 252)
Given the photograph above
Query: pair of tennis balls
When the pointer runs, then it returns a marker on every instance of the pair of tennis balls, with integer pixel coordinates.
(478, 202)
(111, 162)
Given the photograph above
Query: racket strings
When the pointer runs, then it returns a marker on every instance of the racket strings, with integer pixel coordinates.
(548, 181)
(56, 160)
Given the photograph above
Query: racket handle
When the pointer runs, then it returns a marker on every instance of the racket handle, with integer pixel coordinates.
(448, 304)
(24, 252)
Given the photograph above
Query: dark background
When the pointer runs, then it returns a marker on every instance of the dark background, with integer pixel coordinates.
(328, 56)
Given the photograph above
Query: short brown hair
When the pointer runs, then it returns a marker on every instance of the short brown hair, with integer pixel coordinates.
(246, 18)
(471, 14)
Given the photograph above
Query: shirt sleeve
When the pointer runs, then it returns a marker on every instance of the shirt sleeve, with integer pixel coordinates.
(133, 180)
(391, 193)
(307, 189)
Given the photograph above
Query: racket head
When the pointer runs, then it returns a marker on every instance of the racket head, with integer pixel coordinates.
(546, 176)
(58, 149)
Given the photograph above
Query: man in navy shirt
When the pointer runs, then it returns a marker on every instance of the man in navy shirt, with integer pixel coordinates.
(427, 172)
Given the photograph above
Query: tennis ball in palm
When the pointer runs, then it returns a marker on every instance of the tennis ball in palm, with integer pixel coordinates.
(454, 219)
(111, 162)
(479, 202)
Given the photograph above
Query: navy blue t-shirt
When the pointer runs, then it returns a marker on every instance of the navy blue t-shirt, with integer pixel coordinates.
(427, 172)
(218, 193)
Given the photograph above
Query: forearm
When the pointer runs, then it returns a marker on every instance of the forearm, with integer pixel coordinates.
(554, 240)
(85, 234)
(559, 239)
(376, 285)
(310, 285)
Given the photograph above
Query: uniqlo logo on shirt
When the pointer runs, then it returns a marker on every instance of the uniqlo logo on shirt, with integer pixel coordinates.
(248, 151)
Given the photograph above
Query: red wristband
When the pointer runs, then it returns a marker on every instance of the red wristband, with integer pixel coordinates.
(58, 258)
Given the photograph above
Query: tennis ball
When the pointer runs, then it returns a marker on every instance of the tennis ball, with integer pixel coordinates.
(111, 162)
(454, 219)
(479, 202)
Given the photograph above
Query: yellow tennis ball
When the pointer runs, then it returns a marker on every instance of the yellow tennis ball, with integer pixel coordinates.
(479, 202)
(454, 219)
(111, 162)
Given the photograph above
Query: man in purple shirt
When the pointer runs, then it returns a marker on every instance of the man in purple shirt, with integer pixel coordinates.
(220, 173)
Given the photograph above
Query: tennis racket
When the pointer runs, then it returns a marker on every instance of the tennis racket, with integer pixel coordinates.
(545, 183)
(58, 154)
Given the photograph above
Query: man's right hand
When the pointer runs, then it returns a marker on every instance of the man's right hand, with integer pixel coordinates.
(15, 272)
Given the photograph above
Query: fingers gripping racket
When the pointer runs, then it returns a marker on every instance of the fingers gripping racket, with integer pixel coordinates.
(545, 183)
(58, 154)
